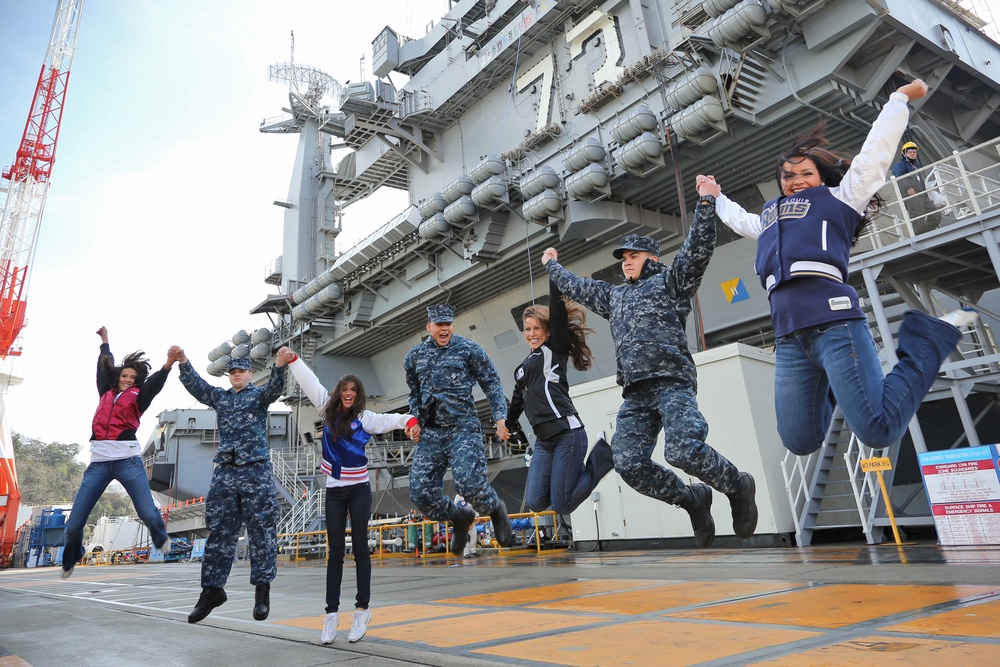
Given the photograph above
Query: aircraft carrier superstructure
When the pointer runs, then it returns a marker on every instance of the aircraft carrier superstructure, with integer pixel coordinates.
(524, 124)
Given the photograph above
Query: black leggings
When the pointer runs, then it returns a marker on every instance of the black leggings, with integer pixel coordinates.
(355, 500)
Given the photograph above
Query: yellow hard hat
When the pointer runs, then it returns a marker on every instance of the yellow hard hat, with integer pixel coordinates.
(908, 145)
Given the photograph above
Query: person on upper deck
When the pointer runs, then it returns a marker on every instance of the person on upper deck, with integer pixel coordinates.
(923, 213)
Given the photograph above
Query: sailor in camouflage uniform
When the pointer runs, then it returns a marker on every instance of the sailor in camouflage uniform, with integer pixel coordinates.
(648, 316)
(242, 488)
(440, 373)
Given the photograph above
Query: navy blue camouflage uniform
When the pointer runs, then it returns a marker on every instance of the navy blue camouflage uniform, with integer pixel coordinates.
(655, 369)
(440, 379)
(242, 488)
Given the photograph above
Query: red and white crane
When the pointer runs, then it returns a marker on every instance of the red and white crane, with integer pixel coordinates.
(26, 183)
(27, 180)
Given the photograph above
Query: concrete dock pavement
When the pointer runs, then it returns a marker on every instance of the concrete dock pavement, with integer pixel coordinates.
(918, 604)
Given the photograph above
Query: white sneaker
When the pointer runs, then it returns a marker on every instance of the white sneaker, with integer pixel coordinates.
(165, 547)
(962, 317)
(330, 628)
(362, 617)
(64, 574)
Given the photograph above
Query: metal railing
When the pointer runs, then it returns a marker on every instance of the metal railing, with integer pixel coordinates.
(389, 539)
(962, 185)
(290, 467)
(303, 512)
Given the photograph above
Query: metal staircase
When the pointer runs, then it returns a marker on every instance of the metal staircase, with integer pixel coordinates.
(295, 482)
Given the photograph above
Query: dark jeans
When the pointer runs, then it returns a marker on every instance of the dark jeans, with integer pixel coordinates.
(354, 500)
(558, 476)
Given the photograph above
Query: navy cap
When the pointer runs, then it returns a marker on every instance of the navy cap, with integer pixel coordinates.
(441, 313)
(238, 362)
(636, 242)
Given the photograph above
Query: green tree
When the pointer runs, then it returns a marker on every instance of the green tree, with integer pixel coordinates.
(47, 473)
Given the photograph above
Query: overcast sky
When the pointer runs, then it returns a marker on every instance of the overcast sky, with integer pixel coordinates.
(159, 222)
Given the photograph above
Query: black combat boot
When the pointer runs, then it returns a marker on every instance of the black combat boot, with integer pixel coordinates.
(601, 459)
(744, 507)
(699, 506)
(464, 517)
(209, 600)
(501, 525)
(262, 602)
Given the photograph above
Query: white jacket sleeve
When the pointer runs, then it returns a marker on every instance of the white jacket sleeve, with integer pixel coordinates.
(375, 422)
(868, 169)
(736, 218)
(311, 386)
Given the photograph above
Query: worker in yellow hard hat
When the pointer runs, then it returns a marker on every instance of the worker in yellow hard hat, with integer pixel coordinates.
(924, 216)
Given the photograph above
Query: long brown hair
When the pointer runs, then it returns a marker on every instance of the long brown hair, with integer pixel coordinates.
(136, 361)
(831, 166)
(335, 416)
(579, 350)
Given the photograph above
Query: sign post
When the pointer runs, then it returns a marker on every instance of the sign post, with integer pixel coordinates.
(877, 465)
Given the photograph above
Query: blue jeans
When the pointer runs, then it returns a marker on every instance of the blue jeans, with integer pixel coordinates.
(558, 476)
(837, 363)
(354, 500)
(130, 474)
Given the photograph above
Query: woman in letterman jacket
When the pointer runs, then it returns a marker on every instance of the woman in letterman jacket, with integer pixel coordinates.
(115, 453)
(347, 428)
(559, 476)
(825, 354)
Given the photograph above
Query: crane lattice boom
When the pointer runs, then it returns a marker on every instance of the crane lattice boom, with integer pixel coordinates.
(27, 180)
